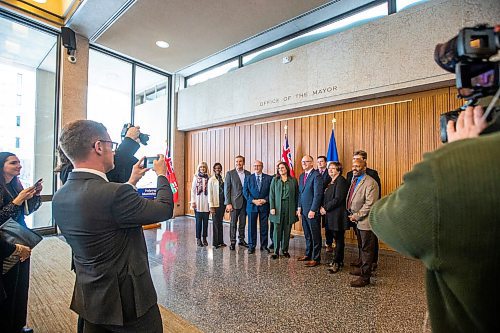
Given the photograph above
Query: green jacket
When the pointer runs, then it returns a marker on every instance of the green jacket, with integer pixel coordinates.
(275, 200)
(447, 214)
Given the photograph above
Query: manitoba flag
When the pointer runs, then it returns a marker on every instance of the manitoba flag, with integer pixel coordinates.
(286, 155)
(171, 175)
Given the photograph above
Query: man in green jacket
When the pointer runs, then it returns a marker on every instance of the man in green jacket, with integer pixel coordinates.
(447, 214)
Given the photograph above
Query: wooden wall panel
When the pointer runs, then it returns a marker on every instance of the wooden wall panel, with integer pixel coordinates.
(394, 135)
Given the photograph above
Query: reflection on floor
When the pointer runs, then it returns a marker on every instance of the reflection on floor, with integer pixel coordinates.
(219, 290)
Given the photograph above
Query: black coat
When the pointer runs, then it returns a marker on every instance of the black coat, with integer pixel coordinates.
(334, 201)
(124, 161)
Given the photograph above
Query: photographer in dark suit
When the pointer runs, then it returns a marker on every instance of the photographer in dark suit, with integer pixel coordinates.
(102, 222)
(124, 159)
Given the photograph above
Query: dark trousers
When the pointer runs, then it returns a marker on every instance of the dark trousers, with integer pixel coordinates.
(329, 236)
(263, 216)
(368, 241)
(238, 221)
(338, 235)
(312, 233)
(201, 223)
(271, 233)
(14, 308)
(218, 230)
(358, 238)
(149, 323)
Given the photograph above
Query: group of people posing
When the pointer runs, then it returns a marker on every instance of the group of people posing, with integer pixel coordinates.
(320, 197)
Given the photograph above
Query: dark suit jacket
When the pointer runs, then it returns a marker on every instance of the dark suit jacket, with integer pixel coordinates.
(102, 222)
(233, 189)
(124, 161)
(325, 177)
(334, 201)
(372, 173)
(310, 194)
(251, 191)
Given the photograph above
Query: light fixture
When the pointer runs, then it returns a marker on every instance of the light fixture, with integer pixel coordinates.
(287, 59)
(41, 1)
(162, 44)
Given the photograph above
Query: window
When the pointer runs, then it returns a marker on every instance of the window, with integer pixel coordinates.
(402, 4)
(28, 85)
(211, 73)
(110, 92)
(359, 18)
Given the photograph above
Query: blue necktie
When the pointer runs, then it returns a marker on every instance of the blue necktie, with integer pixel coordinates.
(259, 183)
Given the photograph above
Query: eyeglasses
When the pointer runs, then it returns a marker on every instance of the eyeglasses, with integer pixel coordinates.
(306, 161)
(114, 145)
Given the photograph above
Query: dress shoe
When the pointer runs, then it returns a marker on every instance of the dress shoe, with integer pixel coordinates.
(356, 263)
(360, 282)
(329, 249)
(222, 245)
(265, 249)
(311, 263)
(198, 242)
(216, 246)
(303, 258)
(271, 246)
(26, 330)
(243, 243)
(205, 241)
(355, 271)
(232, 247)
(274, 256)
(335, 268)
(292, 236)
(286, 254)
(251, 251)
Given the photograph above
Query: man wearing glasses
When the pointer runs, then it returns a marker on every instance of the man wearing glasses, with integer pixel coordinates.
(102, 222)
(310, 197)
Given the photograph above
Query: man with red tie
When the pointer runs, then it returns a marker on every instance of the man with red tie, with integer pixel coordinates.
(310, 197)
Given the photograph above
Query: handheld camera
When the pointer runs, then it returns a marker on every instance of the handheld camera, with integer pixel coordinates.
(477, 78)
(143, 138)
(148, 162)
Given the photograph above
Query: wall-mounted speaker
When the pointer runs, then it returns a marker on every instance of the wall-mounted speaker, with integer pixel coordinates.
(68, 38)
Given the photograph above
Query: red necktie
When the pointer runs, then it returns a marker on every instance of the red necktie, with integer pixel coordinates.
(351, 192)
(305, 178)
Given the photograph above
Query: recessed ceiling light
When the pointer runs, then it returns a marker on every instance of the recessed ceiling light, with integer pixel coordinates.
(162, 44)
(41, 1)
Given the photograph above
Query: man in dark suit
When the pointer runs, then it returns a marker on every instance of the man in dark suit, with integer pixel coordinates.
(362, 155)
(102, 222)
(323, 171)
(235, 201)
(310, 196)
(256, 191)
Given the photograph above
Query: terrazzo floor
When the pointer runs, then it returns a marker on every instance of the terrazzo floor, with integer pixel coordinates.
(219, 290)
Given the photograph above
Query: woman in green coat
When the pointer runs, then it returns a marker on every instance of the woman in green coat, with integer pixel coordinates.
(283, 201)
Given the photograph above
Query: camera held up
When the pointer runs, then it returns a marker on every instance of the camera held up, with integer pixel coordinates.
(143, 138)
(468, 55)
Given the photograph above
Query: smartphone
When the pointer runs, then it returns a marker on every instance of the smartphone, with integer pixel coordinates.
(38, 182)
(148, 161)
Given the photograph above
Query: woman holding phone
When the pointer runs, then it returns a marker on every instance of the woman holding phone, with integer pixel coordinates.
(15, 202)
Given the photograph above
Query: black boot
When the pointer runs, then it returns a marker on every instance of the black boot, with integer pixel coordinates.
(198, 241)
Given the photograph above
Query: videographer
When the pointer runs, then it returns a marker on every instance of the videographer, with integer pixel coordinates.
(447, 214)
(124, 158)
(447, 211)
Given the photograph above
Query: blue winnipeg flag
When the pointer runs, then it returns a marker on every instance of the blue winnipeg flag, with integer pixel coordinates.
(333, 155)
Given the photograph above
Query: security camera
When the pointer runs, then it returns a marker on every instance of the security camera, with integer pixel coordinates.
(72, 58)
(69, 42)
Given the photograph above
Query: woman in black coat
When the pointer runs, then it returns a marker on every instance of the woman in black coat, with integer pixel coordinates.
(15, 202)
(334, 209)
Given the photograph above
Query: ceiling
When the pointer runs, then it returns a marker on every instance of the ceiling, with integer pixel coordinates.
(201, 34)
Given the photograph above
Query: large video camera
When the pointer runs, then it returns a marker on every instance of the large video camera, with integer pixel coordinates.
(468, 55)
(143, 138)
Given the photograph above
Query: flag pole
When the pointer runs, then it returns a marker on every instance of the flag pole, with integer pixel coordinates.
(333, 123)
(286, 129)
